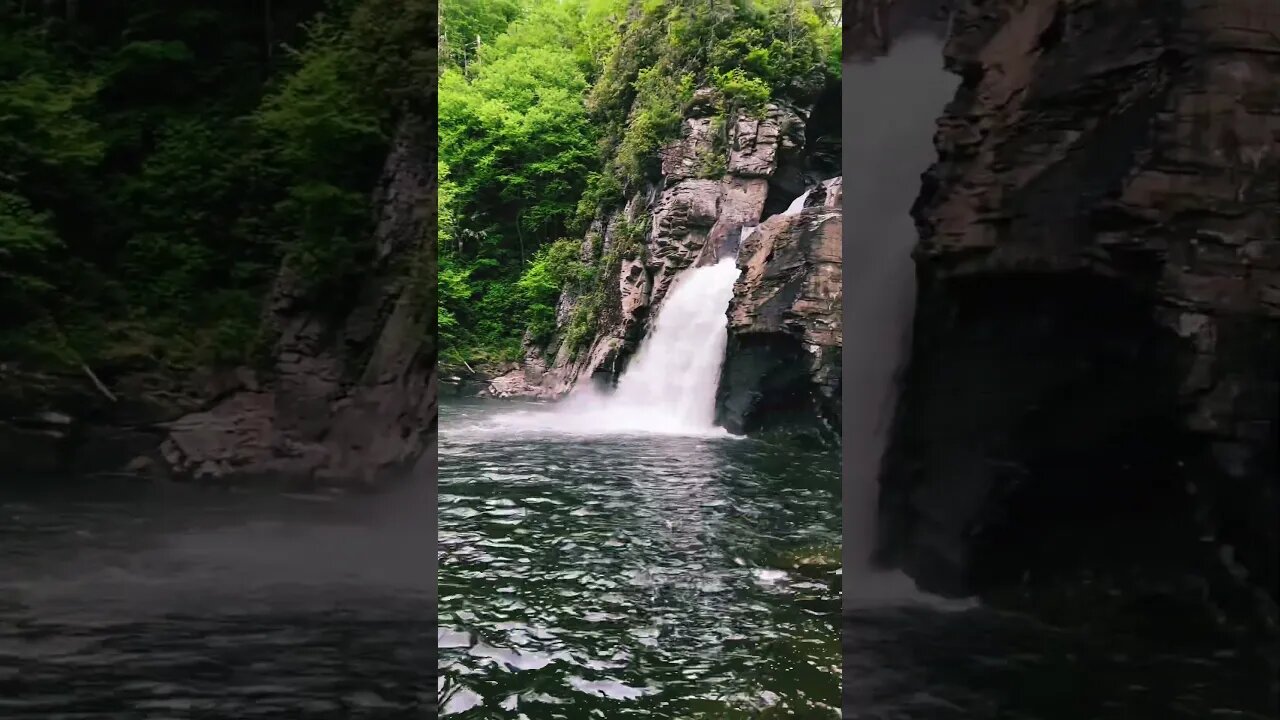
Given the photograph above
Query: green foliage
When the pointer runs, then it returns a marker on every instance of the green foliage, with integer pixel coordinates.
(555, 267)
(393, 52)
(464, 24)
(742, 91)
(158, 163)
(583, 323)
(629, 238)
(323, 129)
(603, 190)
(713, 162)
(751, 52)
(660, 100)
(28, 246)
(517, 142)
(557, 114)
(518, 149)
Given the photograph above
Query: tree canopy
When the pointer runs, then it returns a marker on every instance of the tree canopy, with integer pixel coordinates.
(159, 160)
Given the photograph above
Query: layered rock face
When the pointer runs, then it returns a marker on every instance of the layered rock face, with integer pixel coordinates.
(351, 396)
(348, 397)
(687, 219)
(1097, 341)
(782, 363)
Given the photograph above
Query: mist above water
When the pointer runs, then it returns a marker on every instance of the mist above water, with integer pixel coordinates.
(889, 115)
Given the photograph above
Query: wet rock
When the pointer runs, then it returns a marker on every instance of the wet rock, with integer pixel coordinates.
(510, 384)
(782, 363)
(755, 143)
(742, 202)
(635, 287)
(682, 220)
(830, 193)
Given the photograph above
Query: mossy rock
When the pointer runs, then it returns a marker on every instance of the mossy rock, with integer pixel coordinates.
(811, 560)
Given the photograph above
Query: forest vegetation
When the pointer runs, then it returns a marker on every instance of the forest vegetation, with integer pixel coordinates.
(159, 161)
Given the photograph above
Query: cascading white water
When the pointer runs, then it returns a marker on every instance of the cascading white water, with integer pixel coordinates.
(670, 385)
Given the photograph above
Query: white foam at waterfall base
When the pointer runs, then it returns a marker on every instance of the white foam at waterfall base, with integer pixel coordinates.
(670, 385)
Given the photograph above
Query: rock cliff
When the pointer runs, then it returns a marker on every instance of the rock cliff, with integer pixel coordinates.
(350, 394)
(347, 395)
(1097, 340)
(690, 214)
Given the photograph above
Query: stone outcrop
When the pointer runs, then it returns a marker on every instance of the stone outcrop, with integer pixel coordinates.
(756, 144)
(782, 363)
(348, 395)
(1097, 341)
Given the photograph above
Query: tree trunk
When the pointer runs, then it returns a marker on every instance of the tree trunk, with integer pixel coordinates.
(520, 235)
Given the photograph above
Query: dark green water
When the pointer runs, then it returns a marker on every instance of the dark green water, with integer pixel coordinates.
(611, 576)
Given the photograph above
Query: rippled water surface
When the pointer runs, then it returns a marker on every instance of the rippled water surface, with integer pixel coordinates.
(124, 601)
(630, 575)
(917, 663)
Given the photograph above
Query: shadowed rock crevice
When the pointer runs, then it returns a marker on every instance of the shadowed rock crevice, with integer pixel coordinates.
(816, 160)
(1040, 409)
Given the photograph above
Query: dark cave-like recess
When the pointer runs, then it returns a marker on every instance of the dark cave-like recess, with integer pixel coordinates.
(1038, 434)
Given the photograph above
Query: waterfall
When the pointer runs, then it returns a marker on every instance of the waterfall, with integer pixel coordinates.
(887, 145)
(671, 383)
